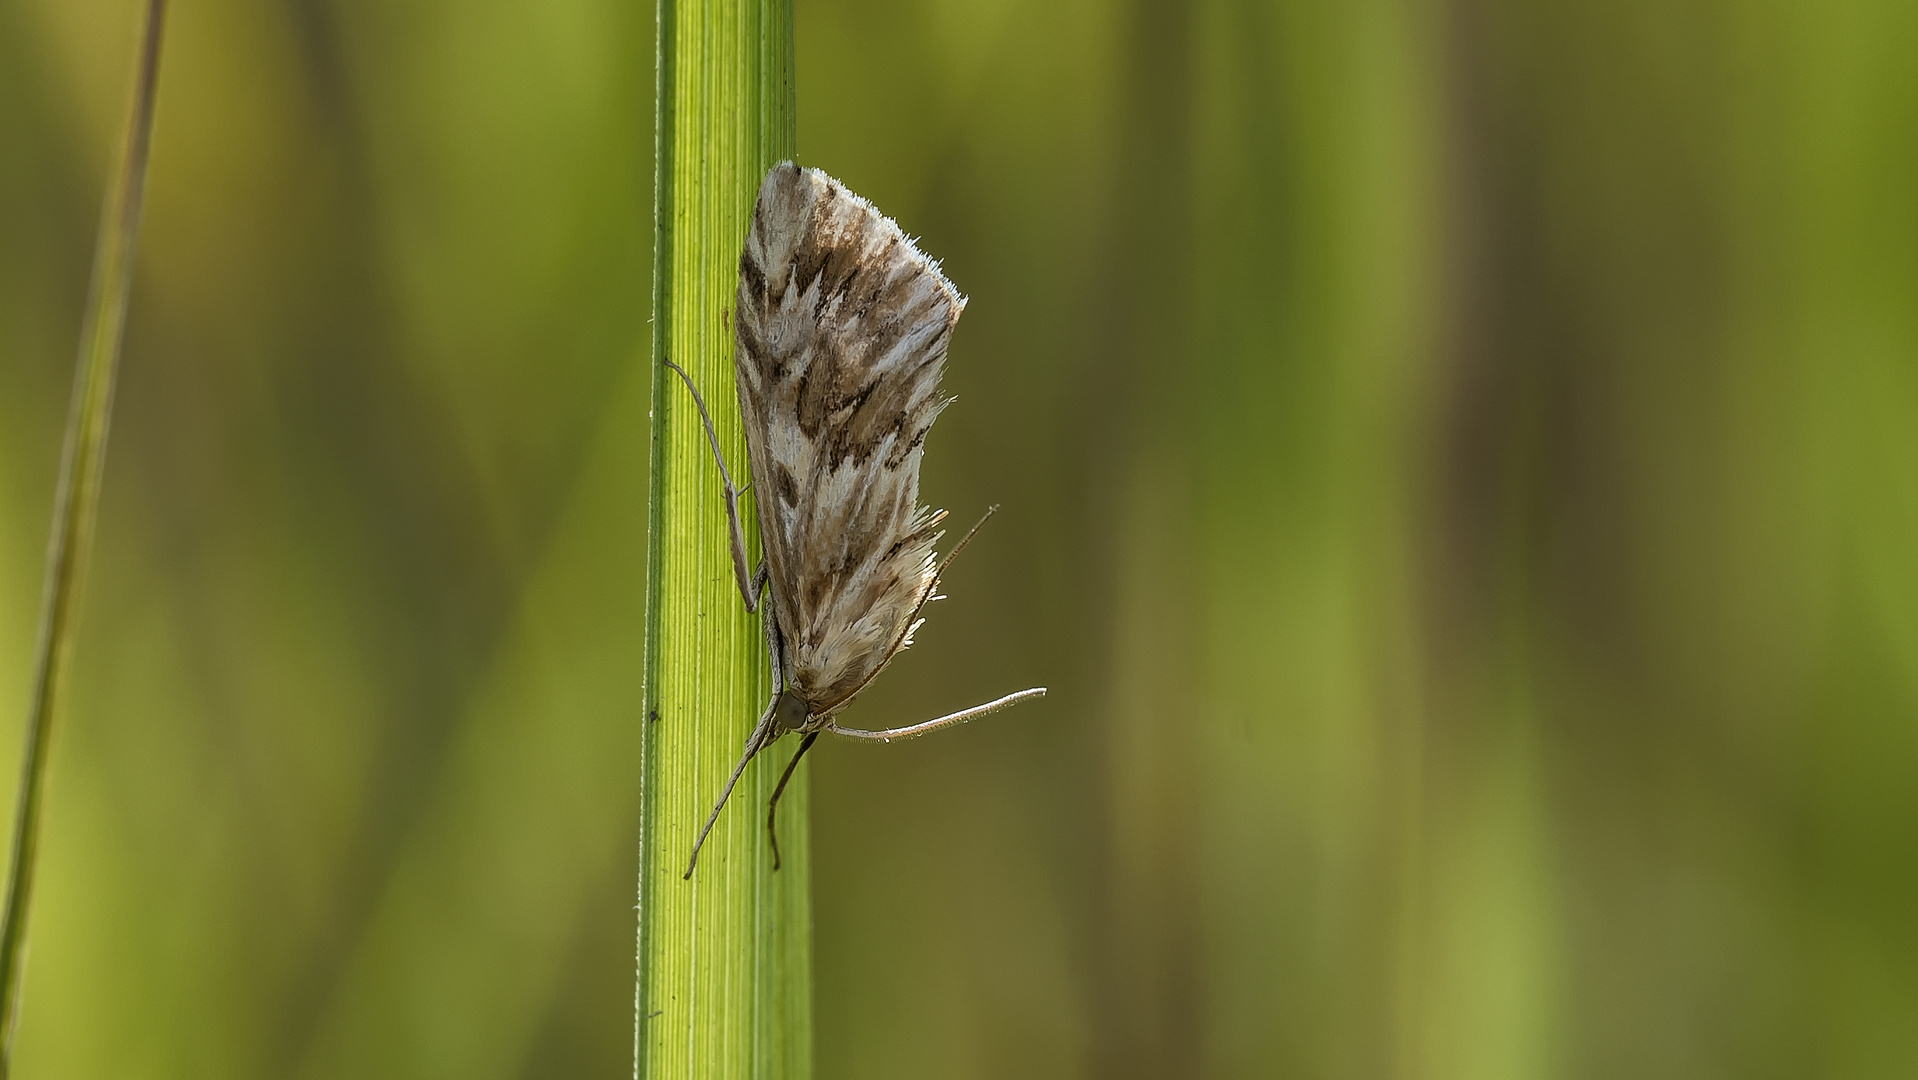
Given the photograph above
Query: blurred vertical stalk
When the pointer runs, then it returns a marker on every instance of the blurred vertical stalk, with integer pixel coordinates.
(724, 984)
(75, 501)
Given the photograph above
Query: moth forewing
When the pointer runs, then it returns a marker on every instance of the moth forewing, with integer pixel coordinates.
(840, 336)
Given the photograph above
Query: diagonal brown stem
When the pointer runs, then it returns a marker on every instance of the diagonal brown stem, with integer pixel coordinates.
(75, 502)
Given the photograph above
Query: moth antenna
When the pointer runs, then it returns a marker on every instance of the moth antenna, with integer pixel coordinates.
(772, 807)
(913, 620)
(959, 547)
(754, 744)
(947, 720)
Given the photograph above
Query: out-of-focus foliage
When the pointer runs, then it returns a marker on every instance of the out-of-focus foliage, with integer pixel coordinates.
(346, 788)
(1460, 482)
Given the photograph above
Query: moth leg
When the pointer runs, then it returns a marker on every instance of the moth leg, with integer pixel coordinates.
(772, 807)
(746, 581)
(761, 737)
(947, 720)
(763, 734)
(775, 643)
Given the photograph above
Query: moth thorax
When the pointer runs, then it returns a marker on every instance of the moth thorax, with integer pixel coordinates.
(789, 715)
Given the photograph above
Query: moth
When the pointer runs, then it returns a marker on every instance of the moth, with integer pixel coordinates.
(840, 333)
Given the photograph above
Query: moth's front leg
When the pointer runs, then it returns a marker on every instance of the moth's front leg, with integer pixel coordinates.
(749, 584)
(764, 733)
(775, 642)
(772, 808)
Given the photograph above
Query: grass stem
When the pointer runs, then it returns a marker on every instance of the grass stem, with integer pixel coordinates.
(724, 969)
(75, 504)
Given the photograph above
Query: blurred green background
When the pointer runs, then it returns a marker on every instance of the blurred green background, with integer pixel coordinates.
(1460, 478)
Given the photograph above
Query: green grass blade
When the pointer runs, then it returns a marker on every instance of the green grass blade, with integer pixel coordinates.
(724, 979)
(75, 501)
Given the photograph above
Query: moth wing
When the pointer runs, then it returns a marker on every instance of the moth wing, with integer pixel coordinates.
(841, 333)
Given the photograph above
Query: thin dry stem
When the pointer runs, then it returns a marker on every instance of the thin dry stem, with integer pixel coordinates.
(75, 503)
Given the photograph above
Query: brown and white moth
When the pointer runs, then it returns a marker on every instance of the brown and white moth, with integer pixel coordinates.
(839, 338)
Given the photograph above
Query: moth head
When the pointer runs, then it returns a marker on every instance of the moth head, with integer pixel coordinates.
(790, 714)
